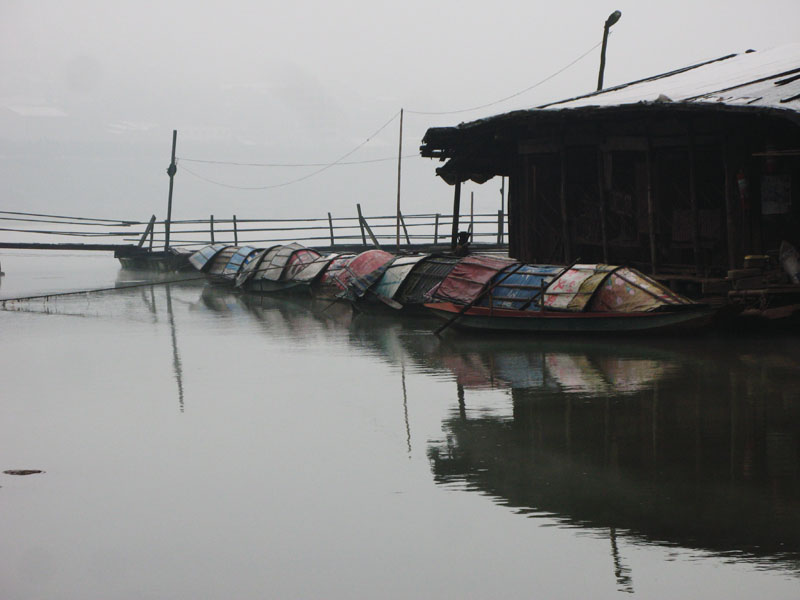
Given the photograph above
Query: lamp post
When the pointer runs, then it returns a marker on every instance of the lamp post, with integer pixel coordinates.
(612, 18)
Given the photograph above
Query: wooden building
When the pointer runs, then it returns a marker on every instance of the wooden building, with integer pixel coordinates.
(685, 172)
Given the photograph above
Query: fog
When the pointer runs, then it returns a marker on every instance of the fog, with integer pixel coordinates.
(91, 91)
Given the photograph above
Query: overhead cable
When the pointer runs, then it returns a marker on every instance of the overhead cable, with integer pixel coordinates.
(241, 164)
(527, 89)
(304, 177)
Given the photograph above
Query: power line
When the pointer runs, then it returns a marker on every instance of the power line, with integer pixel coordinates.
(242, 164)
(304, 177)
(113, 221)
(527, 89)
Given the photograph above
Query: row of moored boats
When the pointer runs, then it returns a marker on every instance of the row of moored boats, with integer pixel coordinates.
(482, 291)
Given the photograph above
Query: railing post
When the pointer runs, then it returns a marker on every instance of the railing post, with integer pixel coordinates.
(235, 232)
(436, 230)
(500, 226)
(361, 224)
(211, 223)
(330, 225)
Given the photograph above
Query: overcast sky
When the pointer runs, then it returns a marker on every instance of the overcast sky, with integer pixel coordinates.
(91, 91)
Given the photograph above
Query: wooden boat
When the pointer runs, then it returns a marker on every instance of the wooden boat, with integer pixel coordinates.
(506, 319)
(578, 298)
(275, 269)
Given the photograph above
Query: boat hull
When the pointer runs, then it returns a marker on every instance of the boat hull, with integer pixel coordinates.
(494, 319)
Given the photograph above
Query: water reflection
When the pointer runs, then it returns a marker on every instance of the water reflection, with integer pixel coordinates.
(666, 442)
(692, 445)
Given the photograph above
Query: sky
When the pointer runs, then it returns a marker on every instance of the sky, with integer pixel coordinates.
(91, 91)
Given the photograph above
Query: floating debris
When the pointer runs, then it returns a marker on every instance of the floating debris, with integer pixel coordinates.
(22, 472)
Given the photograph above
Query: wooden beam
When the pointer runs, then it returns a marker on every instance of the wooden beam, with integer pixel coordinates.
(695, 221)
(361, 224)
(651, 207)
(456, 209)
(148, 230)
(601, 191)
(730, 215)
(567, 243)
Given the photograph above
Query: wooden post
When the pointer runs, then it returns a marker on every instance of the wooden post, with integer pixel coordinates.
(235, 232)
(695, 221)
(601, 190)
(729, 204)
(399, 165)
(371, 235)
(471, 215)
(361, 224)
(152, 231)
(148, 230)
(502, 208)
(500, 226)
(564, 213)
(436, 230)
(330, 225)
(405, 229)
(171, 170)
(456, 209)
(211, 224)
(651, 206)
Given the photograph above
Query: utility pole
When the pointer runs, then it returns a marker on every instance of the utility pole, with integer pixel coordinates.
(171, 170)
(399, 165)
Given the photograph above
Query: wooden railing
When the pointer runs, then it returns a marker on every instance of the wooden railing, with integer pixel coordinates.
(429, 229)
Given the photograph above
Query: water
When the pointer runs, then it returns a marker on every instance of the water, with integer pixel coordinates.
(199, 444)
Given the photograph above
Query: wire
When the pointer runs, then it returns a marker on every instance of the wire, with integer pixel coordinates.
(527, 89)
(115, 221)
(304, 177)
(240, 164)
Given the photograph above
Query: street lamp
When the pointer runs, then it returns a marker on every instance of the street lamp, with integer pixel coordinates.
(612, 18)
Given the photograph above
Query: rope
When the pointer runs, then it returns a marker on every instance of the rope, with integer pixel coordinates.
(98, 290)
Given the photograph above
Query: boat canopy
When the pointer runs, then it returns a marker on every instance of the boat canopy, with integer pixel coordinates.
(580, 288)
(298, 261)
(426, 274)
(628, 290)
(469, 278)
(240, 257)
(313, 269)
(351, 275)
(395, 274)
(216, 266)
(253, 266)
(274, 263)
(520, 287)
(201, 258)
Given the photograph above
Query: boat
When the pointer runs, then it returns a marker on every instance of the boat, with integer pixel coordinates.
(220, 262)
(351, 276)
(577, 299)
(276, 269)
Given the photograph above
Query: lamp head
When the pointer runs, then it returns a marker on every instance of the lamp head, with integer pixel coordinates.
(613, 18)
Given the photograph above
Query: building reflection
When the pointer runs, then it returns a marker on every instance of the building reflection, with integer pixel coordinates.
(700, 452)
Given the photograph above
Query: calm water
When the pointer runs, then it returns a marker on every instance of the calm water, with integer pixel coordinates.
(200, 444)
